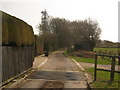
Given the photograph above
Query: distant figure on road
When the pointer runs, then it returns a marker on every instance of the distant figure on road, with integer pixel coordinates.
(46, 53)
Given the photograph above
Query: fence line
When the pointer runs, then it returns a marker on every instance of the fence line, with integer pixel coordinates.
(112, 67)
(16, 60)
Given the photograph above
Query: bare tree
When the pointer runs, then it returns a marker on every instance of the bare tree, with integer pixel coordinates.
(61, 33)
(44, 30)
(60, 29)
(86, 33)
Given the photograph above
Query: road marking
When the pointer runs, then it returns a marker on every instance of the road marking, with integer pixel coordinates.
(82, 69)
(58, 70)
(74, 81)
(28, 79)
(43, 63)
(89, 80)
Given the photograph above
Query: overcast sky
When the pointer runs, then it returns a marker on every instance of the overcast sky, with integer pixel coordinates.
(104, 11)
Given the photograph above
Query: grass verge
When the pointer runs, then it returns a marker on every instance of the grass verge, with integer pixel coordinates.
(103, 78)
(105, 61)
(91, 60)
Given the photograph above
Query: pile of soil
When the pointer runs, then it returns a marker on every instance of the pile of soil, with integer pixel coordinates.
(82, 53)
(53, 84)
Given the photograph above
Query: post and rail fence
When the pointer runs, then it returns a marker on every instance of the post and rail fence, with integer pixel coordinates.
(112, 71)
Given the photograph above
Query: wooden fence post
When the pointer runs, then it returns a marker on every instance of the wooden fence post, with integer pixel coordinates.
(95, 68)
(112, 70)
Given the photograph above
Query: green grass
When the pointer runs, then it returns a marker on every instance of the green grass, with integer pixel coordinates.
(114, 51)
(103, 79)
(90, 60)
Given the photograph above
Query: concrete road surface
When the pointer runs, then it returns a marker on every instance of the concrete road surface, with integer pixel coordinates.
(55, 71)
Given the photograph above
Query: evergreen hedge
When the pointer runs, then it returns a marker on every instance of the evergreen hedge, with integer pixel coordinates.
(16, 32)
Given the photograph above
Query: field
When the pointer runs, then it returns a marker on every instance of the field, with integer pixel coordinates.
(109, 51)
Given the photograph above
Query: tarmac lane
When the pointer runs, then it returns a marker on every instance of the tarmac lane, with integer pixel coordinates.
(57, 71)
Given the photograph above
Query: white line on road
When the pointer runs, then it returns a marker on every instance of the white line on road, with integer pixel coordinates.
(89, 80)
(43, 63)
(58, 70)
(82, 69)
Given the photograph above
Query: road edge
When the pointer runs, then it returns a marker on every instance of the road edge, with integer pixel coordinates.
(88, 79)
(43, 63)
(7, 82)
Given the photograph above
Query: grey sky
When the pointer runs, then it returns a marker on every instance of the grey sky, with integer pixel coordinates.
(104, 11)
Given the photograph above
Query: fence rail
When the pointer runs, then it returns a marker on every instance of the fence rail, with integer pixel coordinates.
(112, 71)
